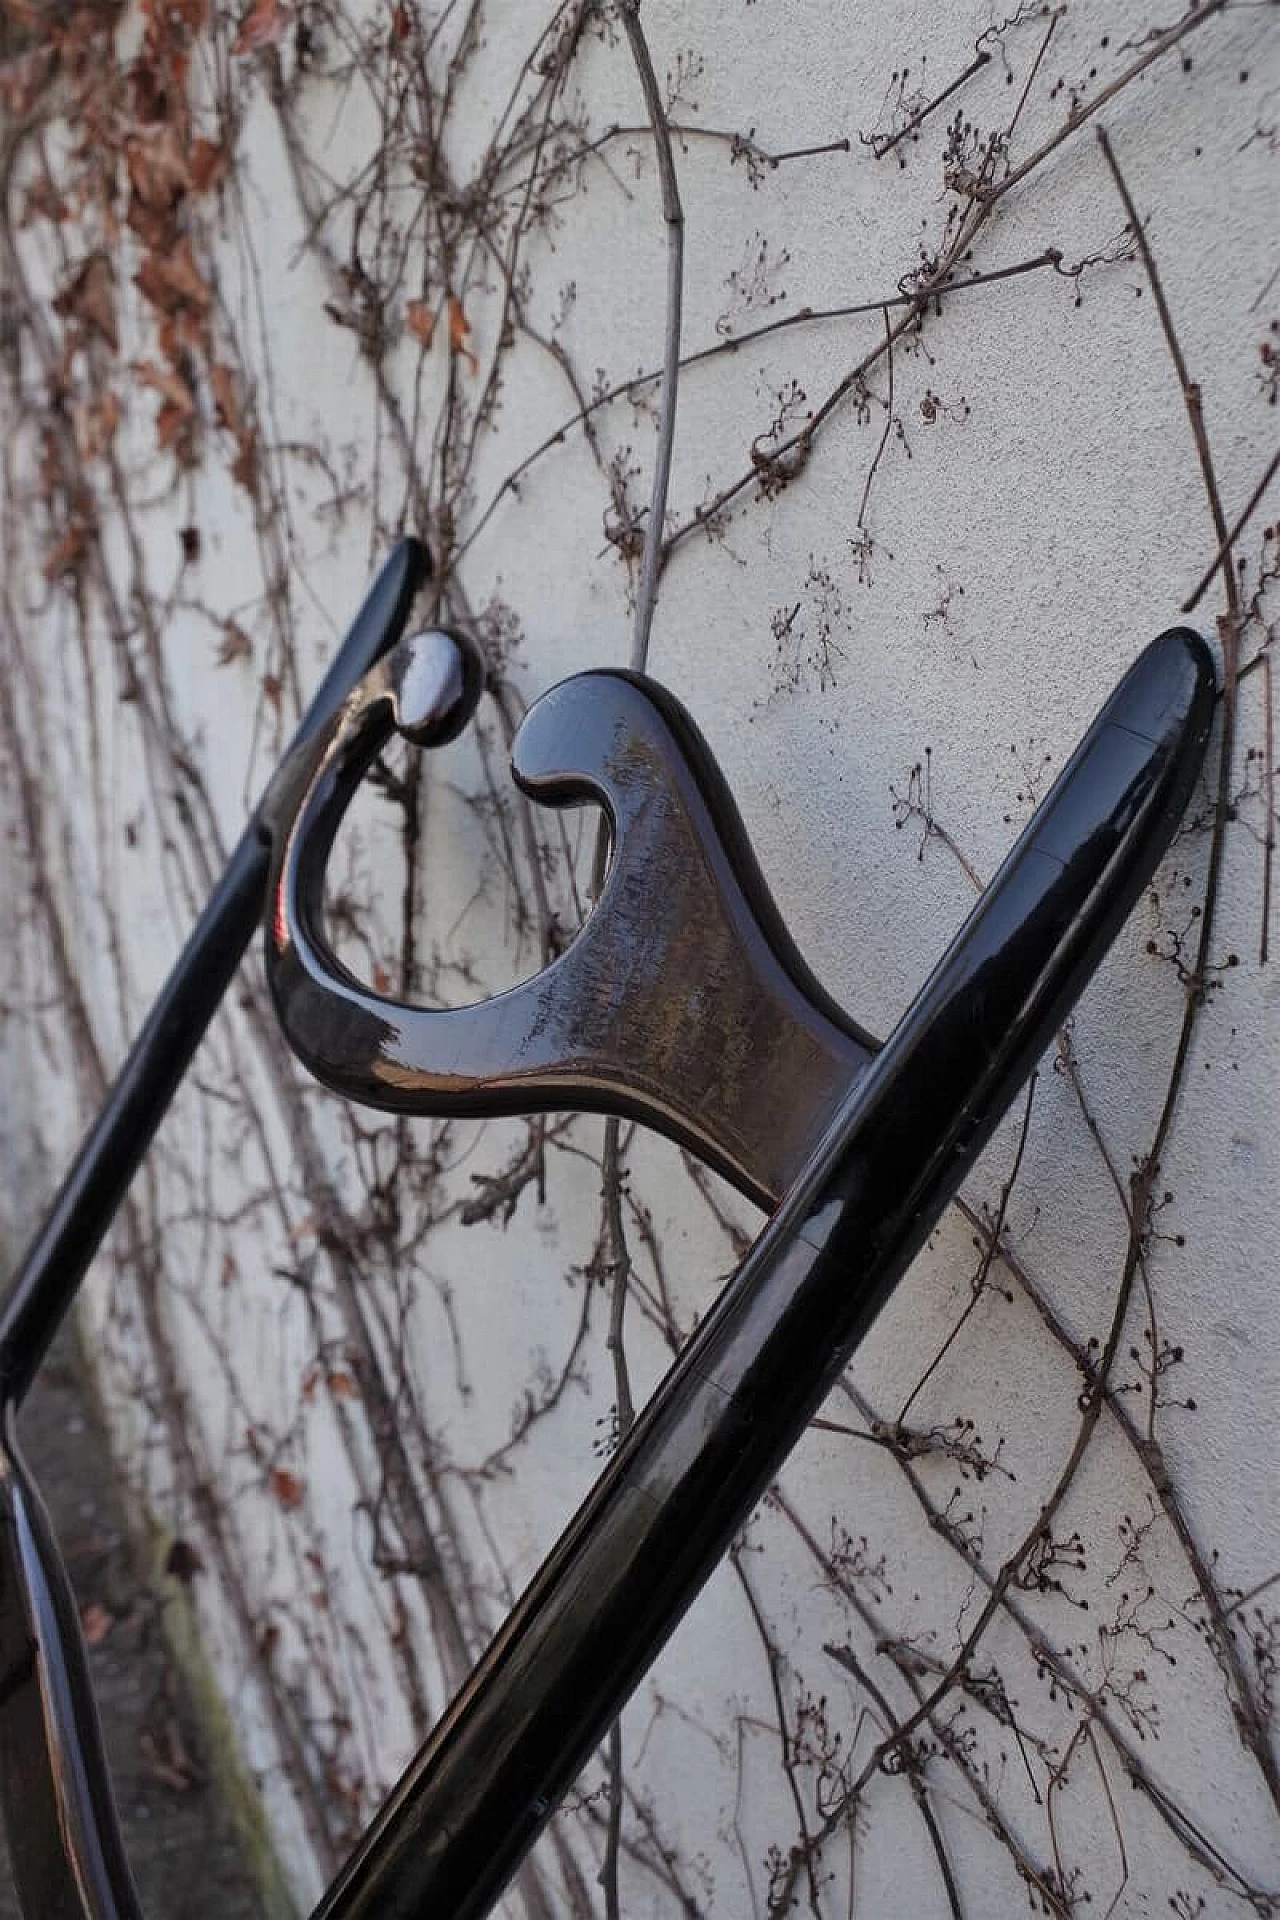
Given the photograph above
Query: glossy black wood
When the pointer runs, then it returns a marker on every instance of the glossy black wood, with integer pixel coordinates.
(65, 1850)
(64, 1841)
(899, 1137)
(739, 1396)
(59, 1255)
(682, 1003)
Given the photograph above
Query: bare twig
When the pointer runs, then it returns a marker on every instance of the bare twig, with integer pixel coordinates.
(673, 214)
(1225, 548)
(1195, 17)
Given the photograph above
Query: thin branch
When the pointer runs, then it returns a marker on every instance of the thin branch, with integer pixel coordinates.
(1196, 16)
(1223, 554)
(882, 145)
(888, 424)
(994, 1233)
(673, 214)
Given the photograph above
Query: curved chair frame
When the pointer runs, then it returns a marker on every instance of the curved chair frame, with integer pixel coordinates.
(682, 1003)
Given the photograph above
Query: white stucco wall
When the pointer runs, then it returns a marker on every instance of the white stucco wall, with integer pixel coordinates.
(973, 551)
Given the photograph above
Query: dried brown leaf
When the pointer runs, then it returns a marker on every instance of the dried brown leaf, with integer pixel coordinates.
(459, 328)
(421, 321)
(236, 644)
(178, 404)
(24, 78)
(45, 202)
(193, 13)
(168, 383)
(265, 25)
(89, 296)
(207, 164)
(95, 423)
(288, 1489)
(172, 280)
(171, 423)
(244, 468)
(66, 553)
(95, 1623)
(159, 171)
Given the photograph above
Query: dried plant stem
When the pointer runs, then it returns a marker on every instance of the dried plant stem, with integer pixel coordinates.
(436, 251)
(673, 214)
(1196, 16)
(1226, 547)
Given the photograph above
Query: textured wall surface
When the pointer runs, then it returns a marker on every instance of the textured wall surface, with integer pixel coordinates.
(952, 442)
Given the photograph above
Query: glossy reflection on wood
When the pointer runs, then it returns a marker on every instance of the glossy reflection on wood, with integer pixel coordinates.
(682, 1003)
(65, 1848)
(906, 1128)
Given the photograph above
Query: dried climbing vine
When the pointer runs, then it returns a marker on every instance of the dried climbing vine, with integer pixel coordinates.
(278, 286)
